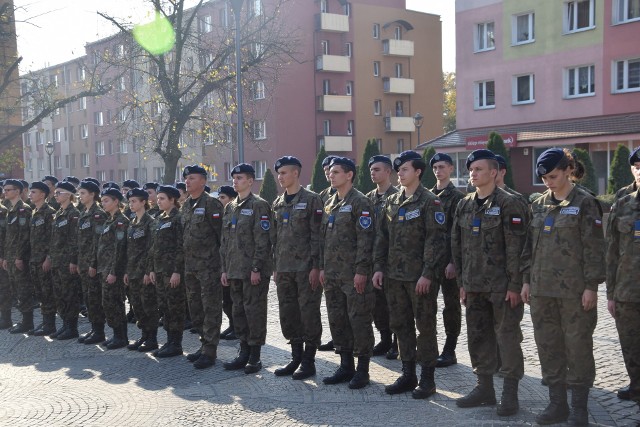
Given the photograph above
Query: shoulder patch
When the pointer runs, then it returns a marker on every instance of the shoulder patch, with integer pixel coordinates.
(264, 223)
(365, 219)
(440, 218)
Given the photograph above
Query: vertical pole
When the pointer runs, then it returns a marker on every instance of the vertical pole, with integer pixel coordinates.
(237, 7)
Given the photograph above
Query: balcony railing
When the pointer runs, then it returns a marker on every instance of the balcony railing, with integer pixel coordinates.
(399, 85)
(336, 143)
(332, 22)
(398, 124)
(333, 63)
(334, 103)
(393, 47)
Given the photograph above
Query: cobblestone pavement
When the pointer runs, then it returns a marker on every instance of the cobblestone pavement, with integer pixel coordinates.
(64, 383)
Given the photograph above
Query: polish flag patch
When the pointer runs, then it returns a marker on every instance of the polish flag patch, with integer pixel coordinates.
(216, 215)
(516, 221)
(598, 223)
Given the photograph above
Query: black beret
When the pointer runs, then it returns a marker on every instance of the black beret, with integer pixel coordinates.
(137, 192)
(67, 186)
(502, 162)
(404, 157)
(95, 181)
(482, 154)
(90, 186)
(72, 179)
(15, 182)
(345, 162)
(39, 185)
(130, 183)
(286, 161)
(243, 168)
(548, 160)
(151, 186)
(112, 192)
(379, 159)
(50, 178)
(635, 156)
(180, 186)
(207, 189)
(25, 184)
(440, 157)
(327, 161)
(227, 190)
(169, 190)
(194, 169)
(110, 184)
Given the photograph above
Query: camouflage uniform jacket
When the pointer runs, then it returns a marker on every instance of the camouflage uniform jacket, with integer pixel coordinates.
(411, 237)
(326, 194)
(348, 230)
(246, 243)
(487, 242)
(450, 196)
(623, 254)
(112, 246)
(378, 202)
(139, 238)
(16, 243)
(90, 227)
(626, 190)
(166, 255)
(202, 223)
(40, 235)
(64, 240)
(564, 252)
(518, 196)
(296, 232)
(154, 212)
(3, 228)
(51, 201)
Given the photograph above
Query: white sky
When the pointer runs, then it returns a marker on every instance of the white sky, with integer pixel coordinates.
(57, 30)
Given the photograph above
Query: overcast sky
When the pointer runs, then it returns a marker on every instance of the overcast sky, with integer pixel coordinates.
(57, 30)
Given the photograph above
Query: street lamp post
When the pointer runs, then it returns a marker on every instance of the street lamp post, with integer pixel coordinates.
(48, 148)
(417, 121)
(236, 5)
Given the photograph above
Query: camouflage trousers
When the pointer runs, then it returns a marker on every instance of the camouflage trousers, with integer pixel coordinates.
(65, 292)
(227, 304)
(6, 295)
(21, 286)
(628, 325)
(171, 303)
(92, 291)
(299, 308)
(408, 312)
(452, 312)
(43, 287)
(113, 302)
(492, 323)
(144, 301)
(564, 337)
(250, 309)
(204, 296)
(381, 311)
(350, 317)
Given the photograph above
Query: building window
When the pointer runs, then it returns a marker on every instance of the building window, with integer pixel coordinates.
(397, 33)
(323, 6)
(348, 49)
(580, 81)
(376, 31)
(523, 28)
(82, 103)
(398, 70)
(379, 144)
(376, 68)
(485, 39)
(350, 127)
(324, 46)
(347, 9)
(81, 74)
(349, 89)
(326, 127)
(205, 24)
(400, 146)
(97, 118)
(56, 162)
(260, 167)
(579, 15)
(121, 84)
(227, 171)
(625, 11)
(258, 90)
(626, 75)
(84, 159)
(223, 17)
(123, 147)
(377, 107)
(485, 94)
(158, 174)
(100, 148)
(399, 109)
(523, 92)
(259, 128)
(326, 87)
(40, 164)
(84, 131)
(123, 175)
(29, 165)
(256, 7)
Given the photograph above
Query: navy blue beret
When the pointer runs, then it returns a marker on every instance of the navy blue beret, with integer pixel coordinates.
(286, 161)
(137, 192)
(151, 186)
(39, 185)
(90, 186)
(635, 156)
(379, 159)
(243, 168)
(548, 160)
(207, 189)
(180, 186)
(25, 184)
(194, 170)
(15, 182)
(112, 192)
(95, 181)
(110, 184)
(404, 157)
(66, 186)
(227, 190)
(345, 162)
(502, 162)
(50, 178)
(440, 157)
(72, 179)
(130, 183)
(482, 154)
(327, 161)
(170, 191)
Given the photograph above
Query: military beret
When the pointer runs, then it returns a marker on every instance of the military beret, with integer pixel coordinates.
(66, 186)
(404, 157)
(286, 161)
(227, 190)
(180, 186)
(327, 161)
(130, 183)
(39, 185)
(207, 189)
(243, 168)
(91, 179)
(25, 184)
(502, 162)
(440, 157)
(112, 192)
(345, 162)
(151, 186)
(635, 156)
(169, 190)
(90, 186)
(137, 192)
(50, 178)
(482, 154)
(72, 179)
(548, 160)
(194, 169)
(379, 159)
(110, 184)
(15, 182)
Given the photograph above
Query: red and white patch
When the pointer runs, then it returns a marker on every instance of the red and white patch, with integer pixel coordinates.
(598, 223)
(516, 221)
(437, 202)
(216, 215)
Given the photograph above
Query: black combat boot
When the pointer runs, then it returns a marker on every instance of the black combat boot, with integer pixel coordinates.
(25, 325)
(448, 356)
(254, 364)
(137, 343)
(61, 329)
(308, 366)
(241, 359)
(48, 325)
(206, 360)
(326, 347)
(345, 371)
(427, 385)
(392, 354)
(151, 343)
(384, 345)
(71, 331)
(231, 335)
(174, 345)
(131, 316)
(405, 382)
(482, 394)
(579, 415)
(623, 393)
(5, 319)
(83, 337)
(361, 377)
(120, 338)
(98, 335)
(508, 404)
(296, 359)
(557, 411)
(33, 330)
(192, 357)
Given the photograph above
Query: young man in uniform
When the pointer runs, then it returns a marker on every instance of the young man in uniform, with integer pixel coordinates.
(324, 195)
(51, 182)
(226, 194)
(502, 163)
(152, 189)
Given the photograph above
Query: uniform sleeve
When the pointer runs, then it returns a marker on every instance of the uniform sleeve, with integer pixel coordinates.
(3, 229)
(261, 236)
(224, 239)
(613, 250)
(435, 249)
(456, 242)
(456, 196)
(48, 224)
(593, 244)
(72, 238)
(315, 224)
(215, 219)
(120, 257)
(98, 227)
(527, 255)
(149, 267)
(515, 221)
(24, 245)
(274, 233)
(381, 245)
(365, 237)
(178, 267)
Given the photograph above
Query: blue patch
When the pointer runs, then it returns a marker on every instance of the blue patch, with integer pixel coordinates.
(440, 218)
(264, 223)
(365, 221)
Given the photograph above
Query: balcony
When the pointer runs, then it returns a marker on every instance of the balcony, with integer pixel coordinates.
(333, 63)
(393, 47)
(399, 124)
(398, 85)
(334, 103)
(336, 143)
(332, 22)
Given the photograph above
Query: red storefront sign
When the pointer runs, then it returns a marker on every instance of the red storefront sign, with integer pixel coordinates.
(477, 142)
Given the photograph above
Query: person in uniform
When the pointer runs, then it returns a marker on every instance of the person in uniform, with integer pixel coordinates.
(40, 261)
(24, 195)
(5, 289)
(345, 272)
(226, 194)
(412, 227)
(112, 263)
(51, 182)
(442, 166)
(202, 219)
(380, 169)
(297, 215)
(127, 185)
(564, 264)
(182, 188)
(166, 269)
(16, 253)
(246, 267)
(502, 163)
(487, 238)
(152, 189)
(73, 180)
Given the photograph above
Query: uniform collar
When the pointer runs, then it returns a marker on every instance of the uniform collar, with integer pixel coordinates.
(333, 200)
(415, 196)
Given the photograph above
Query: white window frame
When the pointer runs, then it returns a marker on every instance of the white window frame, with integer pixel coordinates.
(575, 73)
(206, 25)
(377, 107)
(259, 128)
(123, 147)
(376, 31)
(350, 126)
(258, 90)
(326, 127)
(621, 12)
(348, 48)
(260, 166)
(570, 16)
(349, 88)
(347, 9)
(514, 89)
(57, 135)
(480, 95)
(100, 148)
(98, 119)
(397, 32)
(399, 70)
(324, 46)
(40, 163)
(82, 103)
(257, 7)
(56, 162)
(532, 29)
(625, 76)
(484, 40)
(376, 68)
(323, 6)
(84, 131)
(84, 159)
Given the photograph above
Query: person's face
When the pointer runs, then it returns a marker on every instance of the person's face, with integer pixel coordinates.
(287, 176)
(62, 196)
(85, 196)
(338, 177)
(36, 195)
(164, 202)
(124, 191)
(380, 173)
(195, 183)
(407, 174)
(500, 176)
(25, 193)
(11, 192)
(557, 179)
(442, 170)
(52, 187)
(183, 195)
(136, 204)
(327, 170)
(109, 204)
(481, 174)
(635, 170)
(152, 195)
(224, 199)
(241, 182)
